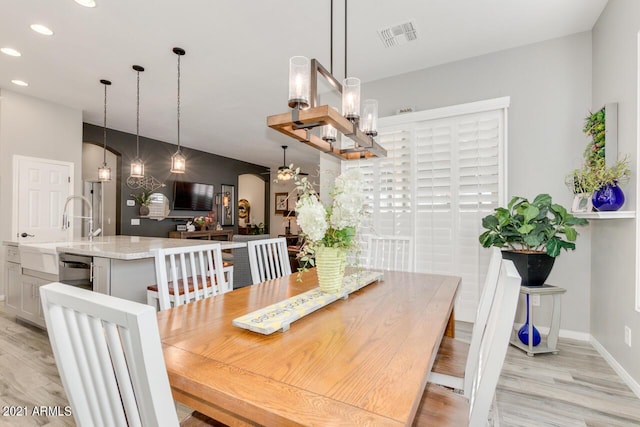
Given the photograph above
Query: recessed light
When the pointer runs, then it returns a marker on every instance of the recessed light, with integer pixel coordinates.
(86, 3)
(19, 83)
(9, 51)
(38, 28)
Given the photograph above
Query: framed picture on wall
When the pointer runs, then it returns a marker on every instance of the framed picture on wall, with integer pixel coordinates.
(281, 203)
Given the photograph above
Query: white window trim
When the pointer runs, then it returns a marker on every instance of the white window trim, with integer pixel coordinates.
(637, 267)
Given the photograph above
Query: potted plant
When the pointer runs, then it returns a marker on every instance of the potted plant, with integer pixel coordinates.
(534, 233)
(143, 199)
(203, 222)
(601, 183)
(594, 126)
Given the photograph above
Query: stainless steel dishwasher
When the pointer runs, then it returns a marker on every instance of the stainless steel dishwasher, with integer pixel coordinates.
(76, 270)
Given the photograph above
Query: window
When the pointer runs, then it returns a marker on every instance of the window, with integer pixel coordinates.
(443, 173)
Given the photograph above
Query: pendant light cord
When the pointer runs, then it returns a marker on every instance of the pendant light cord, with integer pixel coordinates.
(345, 39)
(138, 118)
(178, 102)
(104, 136)
(331, 39)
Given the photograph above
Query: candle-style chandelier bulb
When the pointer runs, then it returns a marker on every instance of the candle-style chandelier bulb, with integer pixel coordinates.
(299, 82)
(104, 171)
(369, 121)
(137, 165)
(329, 133)
(178, 160)
(351, 99)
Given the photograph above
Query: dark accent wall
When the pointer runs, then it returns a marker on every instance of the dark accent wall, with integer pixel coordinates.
(201, 167)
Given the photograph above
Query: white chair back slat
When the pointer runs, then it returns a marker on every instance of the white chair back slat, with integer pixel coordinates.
(104, 361)
(390, 253)
(196, 273)
(184, 276)
(120, 371)
(84, 372)
(494, 343)
(109, 356)
(482, 315)
(268, 259)
(91, 348)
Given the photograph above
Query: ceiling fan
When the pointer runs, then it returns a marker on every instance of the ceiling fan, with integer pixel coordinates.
(284, 172)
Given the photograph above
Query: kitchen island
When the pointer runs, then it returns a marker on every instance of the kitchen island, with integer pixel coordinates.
(122, 266)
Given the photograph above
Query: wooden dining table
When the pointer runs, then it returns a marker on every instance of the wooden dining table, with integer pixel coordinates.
(363, 360)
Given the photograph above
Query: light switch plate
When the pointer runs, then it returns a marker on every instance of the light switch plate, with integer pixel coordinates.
(135, 221)
(131, 202)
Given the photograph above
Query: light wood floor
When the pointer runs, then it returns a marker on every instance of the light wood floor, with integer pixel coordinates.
(573, 388)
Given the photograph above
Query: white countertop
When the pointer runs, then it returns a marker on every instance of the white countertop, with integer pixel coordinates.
(124, 247)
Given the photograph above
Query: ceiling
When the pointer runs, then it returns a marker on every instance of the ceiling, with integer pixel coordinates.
(235, 69)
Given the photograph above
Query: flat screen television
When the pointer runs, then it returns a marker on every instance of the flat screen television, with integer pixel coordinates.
(192, 196)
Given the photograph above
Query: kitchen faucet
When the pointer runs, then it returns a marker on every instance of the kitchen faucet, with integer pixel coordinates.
(65, 219)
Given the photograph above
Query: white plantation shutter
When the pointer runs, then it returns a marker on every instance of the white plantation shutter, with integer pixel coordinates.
(443, 173)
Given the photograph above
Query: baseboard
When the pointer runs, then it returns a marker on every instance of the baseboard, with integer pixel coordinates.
(562, 333)
(628, 379)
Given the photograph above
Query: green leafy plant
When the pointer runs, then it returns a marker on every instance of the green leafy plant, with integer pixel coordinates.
(595, 175)
(143, 199)
(594, 126)
(537, 226)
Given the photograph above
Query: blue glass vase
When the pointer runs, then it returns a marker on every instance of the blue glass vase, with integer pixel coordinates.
(523, 332)
(608, 198)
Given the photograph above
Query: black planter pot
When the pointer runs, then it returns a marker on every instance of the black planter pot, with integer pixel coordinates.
(534, 268)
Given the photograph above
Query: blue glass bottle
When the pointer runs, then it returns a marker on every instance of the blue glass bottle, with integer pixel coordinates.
(523, 332)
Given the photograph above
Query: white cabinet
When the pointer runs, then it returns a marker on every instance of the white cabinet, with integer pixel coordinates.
(22, 293)
(102, 275)
(31, 308)
(12, 280)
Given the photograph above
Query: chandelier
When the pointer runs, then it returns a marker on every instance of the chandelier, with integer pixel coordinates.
(306, 114)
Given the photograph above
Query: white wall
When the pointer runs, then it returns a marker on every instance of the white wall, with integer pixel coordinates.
(550, 88)
(36, 128)
(615, 74)
(252, 188)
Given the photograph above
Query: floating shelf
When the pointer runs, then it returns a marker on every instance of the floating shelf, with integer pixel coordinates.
(605, 215)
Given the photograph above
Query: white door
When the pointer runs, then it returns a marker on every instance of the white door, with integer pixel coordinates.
(41, 187)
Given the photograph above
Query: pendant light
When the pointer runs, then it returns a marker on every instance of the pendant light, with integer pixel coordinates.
(137, 165)
(284, 172)
(104, 171)
(178, 160)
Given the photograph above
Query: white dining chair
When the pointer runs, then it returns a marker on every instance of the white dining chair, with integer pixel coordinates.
(455, 362)
(268, 259)
(441, 406)
(188, 274)
(389, 253)
(110, 360)
(109, 357)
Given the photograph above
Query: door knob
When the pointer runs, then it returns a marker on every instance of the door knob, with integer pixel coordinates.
(27, 235)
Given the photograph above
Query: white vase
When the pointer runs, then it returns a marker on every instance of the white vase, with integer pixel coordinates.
(582, 203)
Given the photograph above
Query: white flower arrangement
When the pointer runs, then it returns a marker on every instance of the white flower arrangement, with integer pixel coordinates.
(334, 225)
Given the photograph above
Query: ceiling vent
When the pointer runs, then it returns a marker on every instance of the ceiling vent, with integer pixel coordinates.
(398, 34)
